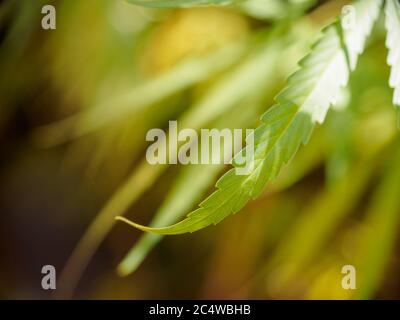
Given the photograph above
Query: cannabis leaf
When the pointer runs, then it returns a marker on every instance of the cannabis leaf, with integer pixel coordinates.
(392, 11)
(247, 84)
(180, 3)
(304, 102)
(259, 65)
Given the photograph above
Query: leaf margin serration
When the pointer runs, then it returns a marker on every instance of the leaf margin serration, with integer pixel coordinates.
(274, 146)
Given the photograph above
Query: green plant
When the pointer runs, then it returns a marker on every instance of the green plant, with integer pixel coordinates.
(244, 70)
(305, 101)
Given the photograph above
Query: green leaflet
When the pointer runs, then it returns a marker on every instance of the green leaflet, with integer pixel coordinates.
(304, 102)
(180, 3)
(251, 78)
(187, 190)
(216, 102)
(307, 159)
(392, 11)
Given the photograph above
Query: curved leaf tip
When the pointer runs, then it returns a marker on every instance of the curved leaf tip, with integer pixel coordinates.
(139, 226)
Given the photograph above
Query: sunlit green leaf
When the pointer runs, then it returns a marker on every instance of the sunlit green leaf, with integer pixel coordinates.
(392, 11)
(235, 86)
(288, 124)
(193, 180)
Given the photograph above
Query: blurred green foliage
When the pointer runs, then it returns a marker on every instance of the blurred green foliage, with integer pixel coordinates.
(88, 92)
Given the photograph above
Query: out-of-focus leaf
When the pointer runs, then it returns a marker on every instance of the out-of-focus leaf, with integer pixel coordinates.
(193, 181)
(237, 85)
(188, 188)
(392, 11)
(382, 223)
(181, 3)
(241, 83)
(289, 124)
(341, 151)
(184, 75)
(264, 9)
(319, 220)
